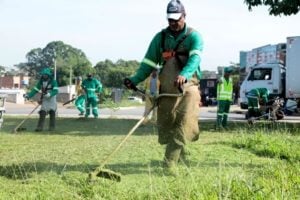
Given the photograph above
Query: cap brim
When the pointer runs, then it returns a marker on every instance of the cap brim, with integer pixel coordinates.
(175, 16)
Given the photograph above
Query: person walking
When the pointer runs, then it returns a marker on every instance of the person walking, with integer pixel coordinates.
(224, 98)
(151, 90)
(176, 51)
(49, 89)
(91, 86)
(80, 96)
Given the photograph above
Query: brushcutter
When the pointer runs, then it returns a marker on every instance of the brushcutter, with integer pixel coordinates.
(273, 111)
(70, 101)
(105, 173)
(17, 128)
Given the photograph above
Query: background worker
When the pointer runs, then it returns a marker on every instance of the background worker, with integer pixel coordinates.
(224, 98)
(177, 50)
(256, 97)
(49, 89)
(80, 96)
(91, 87)
(151, 89)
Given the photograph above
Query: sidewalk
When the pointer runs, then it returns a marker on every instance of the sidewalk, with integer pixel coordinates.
(233, 109)
(8, 105)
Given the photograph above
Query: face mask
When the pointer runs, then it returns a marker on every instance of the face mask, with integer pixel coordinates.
(45, 77)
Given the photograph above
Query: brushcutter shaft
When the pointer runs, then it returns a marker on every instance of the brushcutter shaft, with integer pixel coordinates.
(22, 122)
(99, 171)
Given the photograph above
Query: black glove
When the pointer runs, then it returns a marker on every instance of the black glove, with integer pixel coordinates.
(128, 83)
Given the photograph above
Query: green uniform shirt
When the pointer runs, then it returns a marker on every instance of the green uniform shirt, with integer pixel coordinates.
(260, 93)
(52, 88)
(91, 87)
(193, 44)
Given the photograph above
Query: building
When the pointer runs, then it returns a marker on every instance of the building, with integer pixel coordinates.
(14, 87)
(13, 81)
(265, 54)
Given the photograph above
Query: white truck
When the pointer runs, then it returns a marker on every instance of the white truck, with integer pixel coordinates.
(282, 79)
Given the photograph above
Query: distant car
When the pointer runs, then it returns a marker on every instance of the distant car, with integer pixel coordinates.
(137, 99)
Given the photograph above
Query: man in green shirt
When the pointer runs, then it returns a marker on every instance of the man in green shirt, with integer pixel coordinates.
(91, 86)
(176, 52)
(224, 97)
(49, 89)
(255, 97)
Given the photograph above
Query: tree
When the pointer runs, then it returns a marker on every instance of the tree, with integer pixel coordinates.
(69, 61)
(2, 70)
(285, 7)
(112, 74)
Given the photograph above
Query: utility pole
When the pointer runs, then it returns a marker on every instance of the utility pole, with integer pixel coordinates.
(54, 60)
(71, 67)
(71, 71)
(70, 81)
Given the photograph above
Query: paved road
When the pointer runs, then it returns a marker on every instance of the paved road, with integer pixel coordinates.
(206, 113)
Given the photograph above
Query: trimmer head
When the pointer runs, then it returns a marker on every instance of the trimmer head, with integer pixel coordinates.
(105, 173)
(21, 129)
(16, 130)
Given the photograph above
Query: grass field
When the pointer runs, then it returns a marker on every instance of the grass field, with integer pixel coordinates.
(260, 162)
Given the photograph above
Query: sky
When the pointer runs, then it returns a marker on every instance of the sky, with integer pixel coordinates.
(123, 29)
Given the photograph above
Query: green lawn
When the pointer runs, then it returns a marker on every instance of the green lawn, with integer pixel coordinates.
(260, 162)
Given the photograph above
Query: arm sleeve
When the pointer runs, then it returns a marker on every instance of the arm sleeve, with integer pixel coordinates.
(194, 60)
(99, 87)
(142, 73)
(265, 98)
(83, 85)
(54, 90)
(150, 61)
(35, 90)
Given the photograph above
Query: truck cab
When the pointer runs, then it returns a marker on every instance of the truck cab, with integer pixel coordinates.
(270, 76)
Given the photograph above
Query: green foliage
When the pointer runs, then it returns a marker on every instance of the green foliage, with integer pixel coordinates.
(55, 165)
(69, 61)
(113, 74)
(283, 7)
(2, 70)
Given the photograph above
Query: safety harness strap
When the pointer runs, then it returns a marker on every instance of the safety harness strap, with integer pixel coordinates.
(167, 54)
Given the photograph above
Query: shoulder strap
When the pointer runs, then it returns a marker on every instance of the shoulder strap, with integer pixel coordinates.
(188, 32)
(163, 37)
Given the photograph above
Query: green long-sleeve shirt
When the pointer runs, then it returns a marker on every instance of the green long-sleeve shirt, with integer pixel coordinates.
(91, 87)
(46, 87)
(193, 44)
(262, 93)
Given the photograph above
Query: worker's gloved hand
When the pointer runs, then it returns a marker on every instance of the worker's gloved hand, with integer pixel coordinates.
(25, 96)
(128, 83)
(261, 101)
(47, 95)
